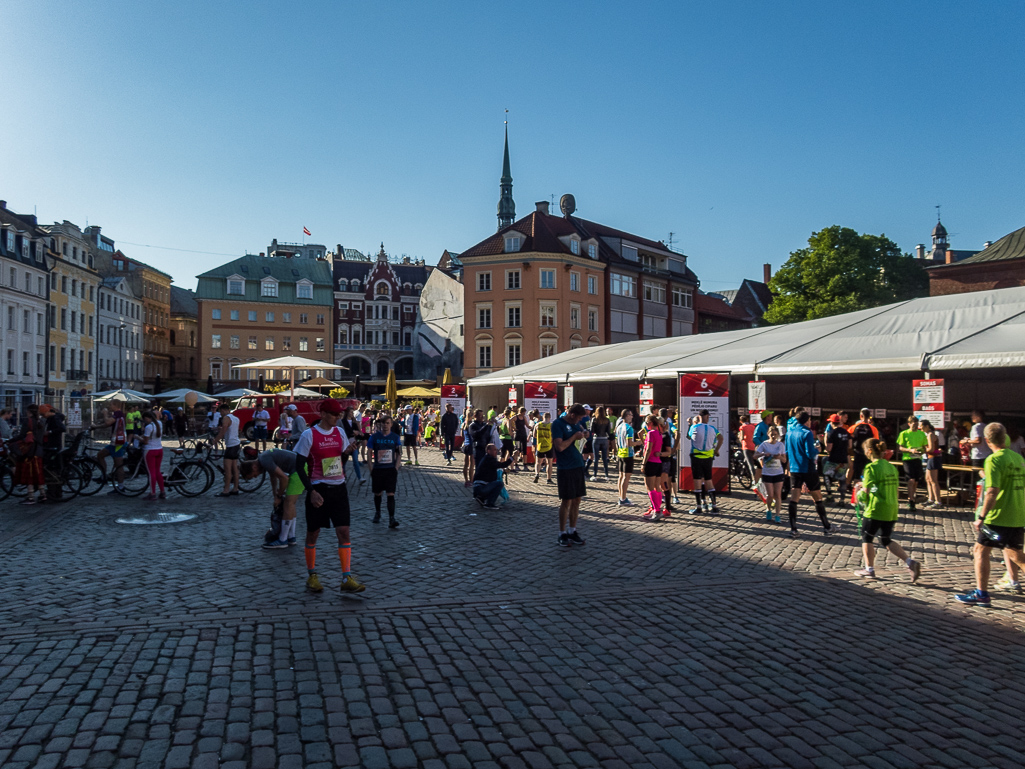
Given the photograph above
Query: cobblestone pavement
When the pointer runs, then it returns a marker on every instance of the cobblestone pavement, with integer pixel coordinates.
(697, 641)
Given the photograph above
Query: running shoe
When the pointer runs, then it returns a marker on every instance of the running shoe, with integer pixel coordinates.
(1009, 585)
(651, 515)
(407, 463)
(911, 505)
(275, 545)
(707, 506)
(794, 534)
(593, 479)
(417, 463)
(291, 541)
(576, 539)
(489, 507)
(714, 509)
(149, 497)
(974, 598)
(676, 501)
(479, 501)
(551, 482)
(351, 585)
(393, 524)
(916, 570)
(467, 484)
(768, 514)
(377, 518)
(695, 511)
(564, 540)
(834, 528)
(866, 573)
(776, 519)
(537, 478)
(625, 503)
(666, 513)
(313, 584)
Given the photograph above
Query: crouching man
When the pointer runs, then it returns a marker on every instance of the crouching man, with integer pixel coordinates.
(487, 486)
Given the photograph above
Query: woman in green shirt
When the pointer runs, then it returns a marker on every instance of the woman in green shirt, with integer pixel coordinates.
(879, 495)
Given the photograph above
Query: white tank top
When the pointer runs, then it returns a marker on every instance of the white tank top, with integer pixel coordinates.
(231, 437)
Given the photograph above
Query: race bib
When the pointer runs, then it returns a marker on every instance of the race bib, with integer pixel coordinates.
(771, 463)
(331, 467)
(384, 456)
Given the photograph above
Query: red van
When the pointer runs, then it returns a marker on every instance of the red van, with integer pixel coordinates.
(308, 409)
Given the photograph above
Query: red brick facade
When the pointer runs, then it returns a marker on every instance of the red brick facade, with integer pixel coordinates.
(961, 278)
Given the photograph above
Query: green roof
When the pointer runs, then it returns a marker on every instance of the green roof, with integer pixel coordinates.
(1010, 246)
(254, 269)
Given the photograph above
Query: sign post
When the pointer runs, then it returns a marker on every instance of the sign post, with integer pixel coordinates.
(567, 397)
(756, 400)
(647, 399)
(456, 395)
(543, 396)
(929, 398)
(512, 396)
(711, 392)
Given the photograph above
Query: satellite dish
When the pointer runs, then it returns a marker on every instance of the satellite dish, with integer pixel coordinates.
(567, 204)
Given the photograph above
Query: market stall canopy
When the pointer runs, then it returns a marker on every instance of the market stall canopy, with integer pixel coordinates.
(298, 392)
(234, 395)
(959, 331)
(418, 392)
(320, 382)
(128, 396)
(291, 362)
(178, 396)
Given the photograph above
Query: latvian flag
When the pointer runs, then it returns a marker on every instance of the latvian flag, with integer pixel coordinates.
(306, 231)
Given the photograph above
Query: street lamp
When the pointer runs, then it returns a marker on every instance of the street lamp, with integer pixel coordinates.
(120, 353)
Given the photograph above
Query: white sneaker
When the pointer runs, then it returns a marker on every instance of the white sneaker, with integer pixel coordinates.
(625, 503)
(707, 507)
(676, 501)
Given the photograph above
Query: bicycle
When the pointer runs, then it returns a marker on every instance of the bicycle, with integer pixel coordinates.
(248, 486)
(189, 477)
(739, 469)
(60, 475)
(94, 471)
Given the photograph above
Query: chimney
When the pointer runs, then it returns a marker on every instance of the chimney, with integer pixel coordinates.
(950, 257)
(261, 254)
(766, 273)
(542, 206)
(3, 204)
(920, 250)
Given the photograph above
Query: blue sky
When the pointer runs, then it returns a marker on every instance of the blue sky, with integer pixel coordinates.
(740, 127)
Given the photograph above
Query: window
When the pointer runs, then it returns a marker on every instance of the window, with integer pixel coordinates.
(234, 314)
(484, 356)
(547, 278)
(654, 328)
(39, 363)
(26, 322)
(304, 318)
(548, 316)
(574, 281)
(64, 319)
(512, 243)
(215, 369)
(42, 291)
(512, 317)
(215, 341)
(547, 349)
(592, 320)
(64, 282)
(24, 364)
(268, 343)
(483, 281)
(320, 343)
(10, 362)
(286, 317)
(382, 289)
(623, 322)
(268, 317)
(592, 284)
(215, 314)
(512, 354)
(236, 287)
(574, 246)
(269, 288)
(592, 251)
(483, 317)
(53, 356)
(574, 317)
(304, 344)
(286, 343)
(252, 316)
(233, 342)
(512, 279)
(91, 298)
(408, 309)
(623, 285)
(252, 343)
(40, 327)
(682, 297)
(304, 291)
(654, 292)
(320, 318)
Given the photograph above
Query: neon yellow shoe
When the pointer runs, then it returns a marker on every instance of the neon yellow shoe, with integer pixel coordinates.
(350, 585)
(313, 584)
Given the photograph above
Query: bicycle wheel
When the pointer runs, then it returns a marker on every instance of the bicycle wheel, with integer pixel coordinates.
(194, 448)
(191, 478)
(72, 481)
(252, 484)
(94, 474)
(743, 476)
(136, 477)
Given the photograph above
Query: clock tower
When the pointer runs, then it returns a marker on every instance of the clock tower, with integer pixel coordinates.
(506, 206)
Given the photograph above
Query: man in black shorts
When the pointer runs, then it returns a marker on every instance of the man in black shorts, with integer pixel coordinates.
(570, 468)
(385, 452)
(860, 432)
(705, 442)
(803, 455)
(321, 469)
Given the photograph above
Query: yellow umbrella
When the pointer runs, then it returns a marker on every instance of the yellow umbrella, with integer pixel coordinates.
(418, 392)
(447, 379)
(391, 388)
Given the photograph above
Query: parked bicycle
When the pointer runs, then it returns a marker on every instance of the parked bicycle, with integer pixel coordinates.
(61, 478)
(739, 469)
(189, 477)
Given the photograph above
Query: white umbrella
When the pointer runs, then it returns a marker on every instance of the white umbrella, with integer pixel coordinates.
(290, 362)
(178, 396)
(239, 392)
(129, 396)
(304, 392)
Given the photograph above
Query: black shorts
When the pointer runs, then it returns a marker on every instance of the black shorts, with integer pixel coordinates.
(550, 454)
(913, 470)
(521, 444)
(935, 463)
(773, 478)
(626, 465)
(409, 440)
(858, 463)
(669, 467)
(232, 452)
(1012, 537)
(978, 461)
(571, 483)
(811, 480)
(870, 527)
(652, 469)
(701, 468)
(384, 479)
(334, 511)
(467, 448)
(507, 445)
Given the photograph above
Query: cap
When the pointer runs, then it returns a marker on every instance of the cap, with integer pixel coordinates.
(409, 408)
(329, 406)
(835, 418)
(866, 410)
(587, 407)
(291, 407)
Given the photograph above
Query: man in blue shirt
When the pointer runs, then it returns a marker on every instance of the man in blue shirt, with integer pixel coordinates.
(570, 466)
(804, 457)
(384, 447)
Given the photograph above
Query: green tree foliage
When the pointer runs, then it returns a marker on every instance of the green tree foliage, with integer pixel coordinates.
(842, 271)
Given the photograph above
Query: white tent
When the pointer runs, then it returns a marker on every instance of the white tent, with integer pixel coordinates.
(178, 396)
(234, 395)
(290, 363)
(959, 331)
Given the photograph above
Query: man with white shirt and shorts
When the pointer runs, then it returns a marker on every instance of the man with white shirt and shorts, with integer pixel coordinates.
(705, 442)
(260, 420)
(320, 467)
(232, 446)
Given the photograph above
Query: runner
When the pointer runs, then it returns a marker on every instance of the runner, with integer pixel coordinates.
(879, 495)
(260, 419)
(487, 485)
(468, 449)
(153, 452)
(601, 427)
(668, 458)
(449, 429)
(625, 445)
(181, 426)
(586, 447)
(297, 426)
(116, 448)
(506, 430)
(913, 443)
(133, 420)
(977, 440)
(746, 437)
(543, 450)
(351, 426)
(838, 448)
(934, 462)
(571, 478)
(385, 449)
(285, 488)
(522, 434)
(1001, 520)
(651, 461)
(705, 442)
(803, 456)
(861, 431)
(232, 445)
(772, 454)
(320, 469)
(410, 434)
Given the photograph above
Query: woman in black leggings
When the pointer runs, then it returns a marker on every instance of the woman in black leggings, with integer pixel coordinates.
(601, 428)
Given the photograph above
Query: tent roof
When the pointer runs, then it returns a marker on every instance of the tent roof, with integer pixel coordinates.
(937, 333)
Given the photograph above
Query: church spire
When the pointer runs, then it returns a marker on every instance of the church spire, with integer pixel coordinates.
(506, 206)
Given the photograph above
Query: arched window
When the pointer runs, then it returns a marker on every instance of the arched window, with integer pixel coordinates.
(404, 368)
(382, 369)
(382, 289)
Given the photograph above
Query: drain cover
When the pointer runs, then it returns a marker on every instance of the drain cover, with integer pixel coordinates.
(149, 518)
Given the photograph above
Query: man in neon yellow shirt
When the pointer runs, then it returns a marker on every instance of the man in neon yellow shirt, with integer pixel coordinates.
(913, 443)
(1001, 520)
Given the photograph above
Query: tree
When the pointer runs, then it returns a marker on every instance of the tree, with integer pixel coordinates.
(842, 271)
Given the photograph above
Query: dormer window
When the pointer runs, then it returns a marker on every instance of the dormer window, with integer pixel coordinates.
(269, 287)
(513, 243)
(574, 246)
(343, 285)
(592, 251)
(236, 285)
(304, 289)
(382, 289)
